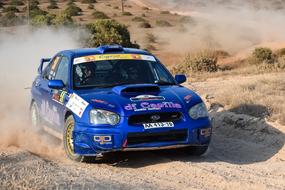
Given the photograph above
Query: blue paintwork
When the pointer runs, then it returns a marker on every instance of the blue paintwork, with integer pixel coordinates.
(53, 113)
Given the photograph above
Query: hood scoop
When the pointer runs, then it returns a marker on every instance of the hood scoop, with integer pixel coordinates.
(135, 89)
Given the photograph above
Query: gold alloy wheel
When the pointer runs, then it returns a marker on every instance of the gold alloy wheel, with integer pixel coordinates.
(69, 138)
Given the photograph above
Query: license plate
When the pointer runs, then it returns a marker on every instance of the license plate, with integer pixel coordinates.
(158, 125)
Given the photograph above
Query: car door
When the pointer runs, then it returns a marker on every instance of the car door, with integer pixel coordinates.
(47, 111)
(57, 98)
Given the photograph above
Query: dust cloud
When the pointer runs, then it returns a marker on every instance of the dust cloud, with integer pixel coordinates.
(228, 25)
(20, 53)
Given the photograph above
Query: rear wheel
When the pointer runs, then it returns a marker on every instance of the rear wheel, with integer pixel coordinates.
(68, 141)
(35, 118)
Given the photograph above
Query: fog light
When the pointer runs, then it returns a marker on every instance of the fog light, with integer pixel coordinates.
(206, 132)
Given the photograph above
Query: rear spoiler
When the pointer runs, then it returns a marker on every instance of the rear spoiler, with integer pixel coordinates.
(43, 61)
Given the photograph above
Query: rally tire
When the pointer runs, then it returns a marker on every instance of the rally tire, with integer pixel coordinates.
(68, 141)
(197, 150)
(35, 118)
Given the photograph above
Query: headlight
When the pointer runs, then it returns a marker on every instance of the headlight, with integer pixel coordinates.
(98, 117)
(198, 111)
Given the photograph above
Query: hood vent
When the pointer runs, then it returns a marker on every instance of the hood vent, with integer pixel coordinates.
(136, 89)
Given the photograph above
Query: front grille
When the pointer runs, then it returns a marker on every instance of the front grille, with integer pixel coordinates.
(170, 136)
(154, 117)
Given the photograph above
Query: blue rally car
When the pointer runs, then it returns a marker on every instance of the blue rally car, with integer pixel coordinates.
(111, 98)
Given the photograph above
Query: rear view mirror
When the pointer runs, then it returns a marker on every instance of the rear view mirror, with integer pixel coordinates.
(55, 84)
(180, 78)
(43, 61)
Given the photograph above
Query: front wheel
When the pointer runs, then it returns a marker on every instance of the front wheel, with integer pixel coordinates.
(68, 141)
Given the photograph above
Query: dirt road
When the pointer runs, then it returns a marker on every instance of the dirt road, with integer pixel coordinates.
(245, 153)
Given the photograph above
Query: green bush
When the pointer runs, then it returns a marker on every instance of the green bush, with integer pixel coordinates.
(11, 9)
(108, 32)
(88, 1)
(36, 12)
(10, 19)
(1, 5)
(72, 10)
(281, 62)
(62, 19)
(99, 15)
(280, 52)
(41, 20)
(163, 23)
(127, 14)
(138, 19)
(186, 19)
(145, 25)
(263, 55)
(204, 61)
(52, 4)
(116, 7)
(143, 15)
(17, 3)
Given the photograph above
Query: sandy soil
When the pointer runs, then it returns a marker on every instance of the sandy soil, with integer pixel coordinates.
(245, 153)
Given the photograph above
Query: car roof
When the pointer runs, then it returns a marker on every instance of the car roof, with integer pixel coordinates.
(107, 49)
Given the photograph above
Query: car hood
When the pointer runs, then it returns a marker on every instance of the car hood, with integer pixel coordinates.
(139, 99)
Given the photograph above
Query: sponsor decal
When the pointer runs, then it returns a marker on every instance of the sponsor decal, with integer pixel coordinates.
(143, 106)
(113, 57)
(188, 98)
(59, 96)
(146, 98)
(50, 113)
(103, 139)
(103, 102)
(76, 104)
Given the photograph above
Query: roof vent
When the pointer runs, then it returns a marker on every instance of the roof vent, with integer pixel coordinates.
(110, 48)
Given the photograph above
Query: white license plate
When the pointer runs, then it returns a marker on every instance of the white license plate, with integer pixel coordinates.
(158, 125)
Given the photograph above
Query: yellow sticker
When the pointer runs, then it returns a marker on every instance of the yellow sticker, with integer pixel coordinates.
(55, 62)
(105, 57)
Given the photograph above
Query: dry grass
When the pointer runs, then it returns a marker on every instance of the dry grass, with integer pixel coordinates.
(260, 96)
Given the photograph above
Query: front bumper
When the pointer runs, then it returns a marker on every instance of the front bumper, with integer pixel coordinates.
(90, 140)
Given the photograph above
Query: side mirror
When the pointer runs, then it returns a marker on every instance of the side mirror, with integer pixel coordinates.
(55, 84)
(180, 78)
(43, 61)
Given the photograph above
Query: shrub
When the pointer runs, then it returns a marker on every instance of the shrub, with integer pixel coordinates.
(10, 19)
(11, 9)
(88, 1)
(62, 19)
(99, 15)
(204, 61)
(163, 23)
(116, 7)
(34, 4)
(90, 6)
(280, 52)
(281, 62)
(41, 20)
(127, 14)
(165, 12)
(36, 12)
(138, 19)
(17, 3)
(263, 55)
(144, 25)
(52, 4)
(72, 10)
(108, 32)
(1, 5)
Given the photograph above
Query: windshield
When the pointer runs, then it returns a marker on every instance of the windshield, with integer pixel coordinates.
(109, 73)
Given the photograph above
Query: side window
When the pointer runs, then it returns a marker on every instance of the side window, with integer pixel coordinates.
(161, 73)
(49, 72)
(62, 70)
